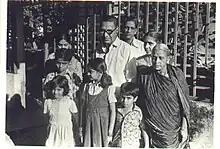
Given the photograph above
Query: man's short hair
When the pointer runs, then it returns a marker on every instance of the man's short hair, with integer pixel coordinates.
(110, 18)
(129, 88)
(134, 19)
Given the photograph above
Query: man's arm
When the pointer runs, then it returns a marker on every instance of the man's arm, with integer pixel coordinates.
(130, 67)
(131, 70)
(112, 118)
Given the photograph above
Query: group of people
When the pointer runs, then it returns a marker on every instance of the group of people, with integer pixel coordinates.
(133, 98)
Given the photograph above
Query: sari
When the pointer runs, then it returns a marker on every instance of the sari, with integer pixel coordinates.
(164, 103)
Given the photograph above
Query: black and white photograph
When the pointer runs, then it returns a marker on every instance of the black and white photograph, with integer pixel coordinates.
(119, 74)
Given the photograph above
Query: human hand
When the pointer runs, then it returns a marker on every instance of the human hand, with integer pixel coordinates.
(80, 131)
(184, 130)
(46, 46)
(184, 134)
(109, 136)
(80, 134)
(109, 139)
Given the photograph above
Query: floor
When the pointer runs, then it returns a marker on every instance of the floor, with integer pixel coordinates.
(26, 126)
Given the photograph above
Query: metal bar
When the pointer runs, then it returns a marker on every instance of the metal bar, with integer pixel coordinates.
(175, 32)
(119, 18)
(195, 50)
(185, 38)
(54, 44)
(146, 16)
(207, 33)
(46, 52)
(129, 8)
(77, 38)
(109, 9)
(157, 16)
(87, 45)
(94, 35)
(166, 23)
(138, 17)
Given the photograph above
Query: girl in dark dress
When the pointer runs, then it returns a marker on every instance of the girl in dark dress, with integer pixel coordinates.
(98, 106)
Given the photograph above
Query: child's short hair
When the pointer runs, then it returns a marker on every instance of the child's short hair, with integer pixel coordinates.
(129, 88)
(62, 82)
(63, 54)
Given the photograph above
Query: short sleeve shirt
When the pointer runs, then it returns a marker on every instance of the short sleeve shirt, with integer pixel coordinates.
(117, 59)
(96, 89)
(139, 48)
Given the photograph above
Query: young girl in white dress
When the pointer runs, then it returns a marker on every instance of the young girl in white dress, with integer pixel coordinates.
(60, 110)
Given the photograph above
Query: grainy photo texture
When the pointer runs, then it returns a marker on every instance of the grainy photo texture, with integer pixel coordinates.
(110, 74)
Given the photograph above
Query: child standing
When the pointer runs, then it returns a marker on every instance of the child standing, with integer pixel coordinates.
(60, 110)
(98, 106)
(62, 60)
(128, 131)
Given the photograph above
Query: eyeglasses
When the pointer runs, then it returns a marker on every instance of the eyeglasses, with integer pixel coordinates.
(109, 31)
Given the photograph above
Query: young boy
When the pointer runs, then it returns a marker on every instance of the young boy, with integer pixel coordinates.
(127, 131)
(62, 60)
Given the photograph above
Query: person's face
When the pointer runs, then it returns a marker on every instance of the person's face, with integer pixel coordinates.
(63, 44)
(130, 30)
(94, 75)
(62, 65)
(58, 92)
(159, 60)
(108, 32)
(128, 101)
(149, 44)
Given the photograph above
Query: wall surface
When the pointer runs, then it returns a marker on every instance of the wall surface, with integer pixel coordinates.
(16, 83)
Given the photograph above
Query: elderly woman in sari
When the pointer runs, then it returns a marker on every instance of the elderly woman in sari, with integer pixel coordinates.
(164, 101)
(150, 39)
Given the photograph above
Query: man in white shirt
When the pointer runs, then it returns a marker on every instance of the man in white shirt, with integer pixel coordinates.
(131, 26)
(116, 52)
(130, 30)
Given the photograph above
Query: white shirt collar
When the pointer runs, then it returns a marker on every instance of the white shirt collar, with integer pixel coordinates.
(117, 42)
(134, 42)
